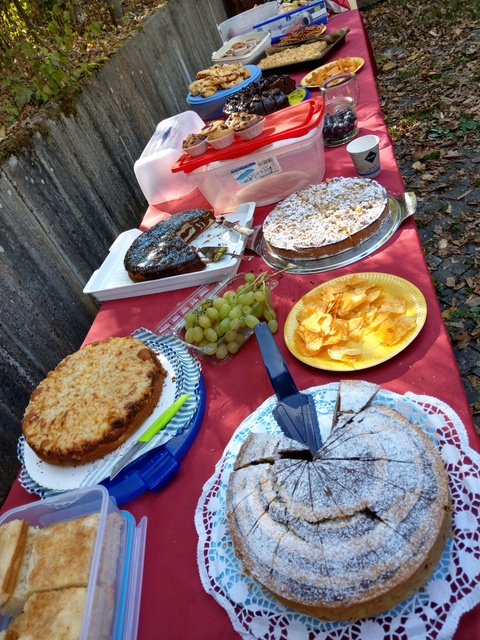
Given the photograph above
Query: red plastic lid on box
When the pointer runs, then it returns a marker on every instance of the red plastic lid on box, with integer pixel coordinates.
(291, 122)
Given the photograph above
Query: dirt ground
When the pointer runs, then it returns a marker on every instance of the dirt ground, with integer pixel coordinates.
(428, 58)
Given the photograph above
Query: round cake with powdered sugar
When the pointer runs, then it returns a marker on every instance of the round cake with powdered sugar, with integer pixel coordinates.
(347, 533)
(325, 219)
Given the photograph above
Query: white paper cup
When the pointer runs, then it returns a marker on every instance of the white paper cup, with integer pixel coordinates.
(365, 155)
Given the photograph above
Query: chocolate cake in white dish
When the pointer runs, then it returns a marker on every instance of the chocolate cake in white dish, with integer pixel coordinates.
(325, 219)
(352, 531)
(164, 250)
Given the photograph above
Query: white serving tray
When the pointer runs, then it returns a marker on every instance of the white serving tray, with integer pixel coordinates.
(111, 280)
(220, 57)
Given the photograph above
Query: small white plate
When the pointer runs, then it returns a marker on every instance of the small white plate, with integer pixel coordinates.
(252, 51)
(111, 280)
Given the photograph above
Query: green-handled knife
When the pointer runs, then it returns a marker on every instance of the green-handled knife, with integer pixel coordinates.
(145, 438)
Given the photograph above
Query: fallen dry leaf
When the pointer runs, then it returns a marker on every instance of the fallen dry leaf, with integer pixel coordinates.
(473, 301)
(474, 381)
(418, 166)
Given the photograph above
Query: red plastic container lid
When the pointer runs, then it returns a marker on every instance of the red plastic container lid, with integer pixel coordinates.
(292, 122)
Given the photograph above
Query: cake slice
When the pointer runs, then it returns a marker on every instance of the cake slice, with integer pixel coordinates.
(13, 536)
(353, 397)
(52, 614)
(58, 556)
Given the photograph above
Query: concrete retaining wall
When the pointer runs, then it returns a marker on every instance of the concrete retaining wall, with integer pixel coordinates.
(67, 196)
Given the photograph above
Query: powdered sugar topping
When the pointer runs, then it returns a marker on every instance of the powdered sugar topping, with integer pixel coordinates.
(325, 213)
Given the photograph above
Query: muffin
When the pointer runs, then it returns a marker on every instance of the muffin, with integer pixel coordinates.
(222, 136)
(195, 144)
(211, 127)
(247, 125)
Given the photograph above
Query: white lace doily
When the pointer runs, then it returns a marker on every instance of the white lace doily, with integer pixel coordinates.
(431, 613)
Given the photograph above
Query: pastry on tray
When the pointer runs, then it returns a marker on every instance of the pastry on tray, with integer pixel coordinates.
(222, 136)
(164, 250)
(195, 144)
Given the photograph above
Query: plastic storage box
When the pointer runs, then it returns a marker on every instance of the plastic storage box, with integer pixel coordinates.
(285, 23)
(243, 22)
(153, 168)
(266, 176)
(286, 156)
(117, 563)
(212, 108)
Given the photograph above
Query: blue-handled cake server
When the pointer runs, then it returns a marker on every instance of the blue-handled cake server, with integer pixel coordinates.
(295, 412)
(145, 438)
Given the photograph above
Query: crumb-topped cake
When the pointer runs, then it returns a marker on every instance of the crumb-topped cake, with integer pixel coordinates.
(93, 401)
(350, 532)
(325, 219)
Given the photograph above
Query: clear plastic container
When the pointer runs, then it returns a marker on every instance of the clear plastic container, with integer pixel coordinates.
(266, 176)
(117, 562)
(289, 21)
(174, 322)
(153, 168)
(244, 21)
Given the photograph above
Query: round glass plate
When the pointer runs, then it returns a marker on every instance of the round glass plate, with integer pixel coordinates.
(373, 352)
(399, 209)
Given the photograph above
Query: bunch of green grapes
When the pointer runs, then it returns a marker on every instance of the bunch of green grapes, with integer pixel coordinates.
(220, 326)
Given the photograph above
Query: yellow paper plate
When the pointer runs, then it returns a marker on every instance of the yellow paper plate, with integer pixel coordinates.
(329, 68)
(373, 352)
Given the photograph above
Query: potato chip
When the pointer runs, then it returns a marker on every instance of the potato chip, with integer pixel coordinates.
(344, 353)
(397, 305)
(392, 331)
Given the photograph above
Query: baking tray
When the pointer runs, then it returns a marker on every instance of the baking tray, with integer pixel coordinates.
(334, 40)
(400, 208)
(111, 280)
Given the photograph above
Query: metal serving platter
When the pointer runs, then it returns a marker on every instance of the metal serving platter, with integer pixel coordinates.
(400, 208)
(334, 41)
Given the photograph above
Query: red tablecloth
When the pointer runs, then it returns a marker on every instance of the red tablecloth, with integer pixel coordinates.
(174, 604)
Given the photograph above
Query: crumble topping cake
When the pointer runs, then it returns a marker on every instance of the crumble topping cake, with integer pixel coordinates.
(325, 219)
(164, 250)
(93, 401)
(352, 531)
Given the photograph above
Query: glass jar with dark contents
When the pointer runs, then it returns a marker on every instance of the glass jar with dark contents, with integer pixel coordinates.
(341, 94)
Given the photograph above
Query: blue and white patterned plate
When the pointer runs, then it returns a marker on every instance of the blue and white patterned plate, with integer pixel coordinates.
(184, 374)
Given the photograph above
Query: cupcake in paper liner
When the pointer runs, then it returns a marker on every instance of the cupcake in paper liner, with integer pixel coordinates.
(210, 127)
(222, 136)
(247, 125)
(195, 144)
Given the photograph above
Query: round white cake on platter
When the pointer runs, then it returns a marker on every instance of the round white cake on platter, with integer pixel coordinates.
(325, 219)
(351, 531)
